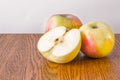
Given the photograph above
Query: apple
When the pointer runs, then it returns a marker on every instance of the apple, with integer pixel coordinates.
(60, 45)
(97, 39)
(68, 20)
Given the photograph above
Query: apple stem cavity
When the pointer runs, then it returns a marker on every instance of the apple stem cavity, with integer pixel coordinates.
(94, 27)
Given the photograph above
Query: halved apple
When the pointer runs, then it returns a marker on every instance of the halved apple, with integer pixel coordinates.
(60, 45)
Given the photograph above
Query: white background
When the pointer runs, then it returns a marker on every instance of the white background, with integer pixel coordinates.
(29, 16)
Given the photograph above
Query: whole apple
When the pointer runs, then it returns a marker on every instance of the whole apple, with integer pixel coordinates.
(68, 20)
(97, 39)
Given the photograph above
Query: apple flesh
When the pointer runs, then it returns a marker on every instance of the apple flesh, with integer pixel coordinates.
(68, 20)
(97, 39)
(60, 45)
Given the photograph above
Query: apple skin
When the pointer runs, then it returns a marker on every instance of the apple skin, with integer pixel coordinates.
(97, 39)
(68, 20)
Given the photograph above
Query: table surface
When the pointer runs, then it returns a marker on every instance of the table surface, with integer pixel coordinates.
(21, 60)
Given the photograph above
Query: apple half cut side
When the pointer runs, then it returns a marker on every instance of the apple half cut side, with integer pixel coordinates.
(60, 45)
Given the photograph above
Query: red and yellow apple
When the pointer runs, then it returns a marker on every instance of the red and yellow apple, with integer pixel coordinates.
(97, 39)
(68, 20)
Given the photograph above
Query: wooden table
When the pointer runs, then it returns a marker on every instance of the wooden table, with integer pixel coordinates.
(21, 60)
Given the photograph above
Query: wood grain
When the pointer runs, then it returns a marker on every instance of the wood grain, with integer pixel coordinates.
(20, 60)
